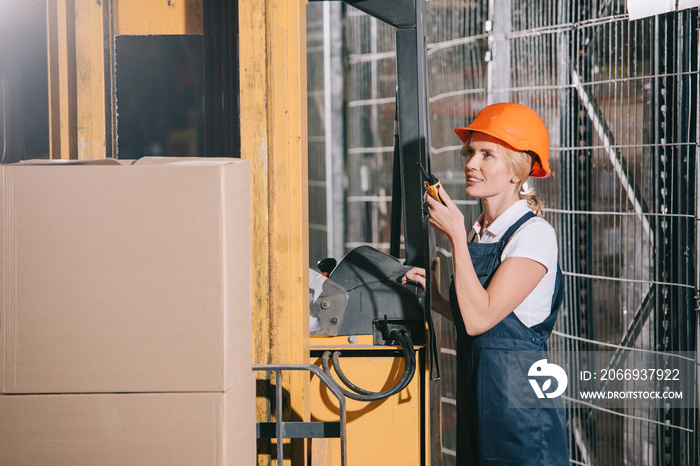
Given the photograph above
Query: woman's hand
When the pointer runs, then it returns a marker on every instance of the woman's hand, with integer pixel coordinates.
(416, 274)
(440, 304)
(447, 219)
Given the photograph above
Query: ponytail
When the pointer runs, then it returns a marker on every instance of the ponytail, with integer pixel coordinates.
(533, 202)
(521, 165)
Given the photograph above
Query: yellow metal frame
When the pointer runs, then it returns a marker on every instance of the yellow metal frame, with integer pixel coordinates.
(272, 64)
(80, 90)
(76, 63)
(388, 431)
(139, 17)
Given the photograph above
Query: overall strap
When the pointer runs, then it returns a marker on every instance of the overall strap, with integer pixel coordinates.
(558, 297)
(514, 227)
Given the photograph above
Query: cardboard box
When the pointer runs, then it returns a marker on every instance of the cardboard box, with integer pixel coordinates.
(120, 277)
(149, 429)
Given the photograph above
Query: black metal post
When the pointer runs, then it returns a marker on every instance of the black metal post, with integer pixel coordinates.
(675, 94)
(413, 137)
(396, 199)
(221, 85)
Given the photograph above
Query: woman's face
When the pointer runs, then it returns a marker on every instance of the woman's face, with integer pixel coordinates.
(488, 175)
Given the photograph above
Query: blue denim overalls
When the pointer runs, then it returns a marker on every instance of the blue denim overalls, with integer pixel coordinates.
(488, 431)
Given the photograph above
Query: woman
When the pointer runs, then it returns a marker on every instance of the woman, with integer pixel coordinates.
(506, 290)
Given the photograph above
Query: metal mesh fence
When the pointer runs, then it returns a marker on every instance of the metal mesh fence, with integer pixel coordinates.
(326, 144)
(620, 100)
(370, 83)
(628, 149)
(318, 186)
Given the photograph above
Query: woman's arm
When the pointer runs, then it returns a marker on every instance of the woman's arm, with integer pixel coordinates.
(481, 308)
(513, 281)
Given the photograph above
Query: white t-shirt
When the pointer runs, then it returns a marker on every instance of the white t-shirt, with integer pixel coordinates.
(536, 240)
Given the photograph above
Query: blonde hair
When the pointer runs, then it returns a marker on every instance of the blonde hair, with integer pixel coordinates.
(520, 164)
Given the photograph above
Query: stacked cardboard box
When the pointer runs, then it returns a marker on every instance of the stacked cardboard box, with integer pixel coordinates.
(125, 318)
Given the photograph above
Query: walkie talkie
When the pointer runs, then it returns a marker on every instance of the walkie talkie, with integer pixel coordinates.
(432, 184)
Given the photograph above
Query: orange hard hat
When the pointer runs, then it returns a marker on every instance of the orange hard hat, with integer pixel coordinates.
(519, 127)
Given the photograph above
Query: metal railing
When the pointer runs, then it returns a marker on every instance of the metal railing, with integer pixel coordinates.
(285, 429)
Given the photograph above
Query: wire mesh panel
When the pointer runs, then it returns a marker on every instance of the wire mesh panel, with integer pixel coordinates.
(620, 100)
(370, 83)
(325, 130)
(628, 148)
(457, 83)
(315, 51)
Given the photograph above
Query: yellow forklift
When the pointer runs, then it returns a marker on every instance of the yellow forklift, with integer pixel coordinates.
(362, 314)
(360, 387)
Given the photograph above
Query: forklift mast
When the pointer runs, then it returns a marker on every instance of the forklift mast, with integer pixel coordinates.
(363, 310)
(412, 135)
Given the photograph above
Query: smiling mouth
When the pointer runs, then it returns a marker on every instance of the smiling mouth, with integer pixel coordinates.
(473, 180)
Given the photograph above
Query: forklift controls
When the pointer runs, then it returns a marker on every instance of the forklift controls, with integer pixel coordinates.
(363, 289)
(363, 295)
